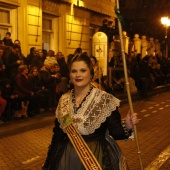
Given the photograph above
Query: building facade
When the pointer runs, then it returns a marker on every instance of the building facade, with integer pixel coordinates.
(59, 25)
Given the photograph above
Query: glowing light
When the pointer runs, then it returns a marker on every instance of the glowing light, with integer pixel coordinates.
(165, 21)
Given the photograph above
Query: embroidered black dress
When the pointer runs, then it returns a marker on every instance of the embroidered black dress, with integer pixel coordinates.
(98, 121)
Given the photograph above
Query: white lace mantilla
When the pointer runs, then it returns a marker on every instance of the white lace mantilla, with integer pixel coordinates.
(93, 111)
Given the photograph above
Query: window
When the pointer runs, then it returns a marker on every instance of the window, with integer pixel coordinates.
(4, 22)
(5, 16)
(47, 31)
(46, 41)
(47, 24)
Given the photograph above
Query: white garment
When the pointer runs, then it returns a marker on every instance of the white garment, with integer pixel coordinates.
(92, 113)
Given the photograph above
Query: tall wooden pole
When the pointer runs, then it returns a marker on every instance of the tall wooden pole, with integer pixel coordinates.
(127, 86)
(166, 40)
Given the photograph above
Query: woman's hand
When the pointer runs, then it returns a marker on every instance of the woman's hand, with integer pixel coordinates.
(131, 120)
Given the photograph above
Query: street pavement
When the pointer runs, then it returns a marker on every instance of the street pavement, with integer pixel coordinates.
(24, 144)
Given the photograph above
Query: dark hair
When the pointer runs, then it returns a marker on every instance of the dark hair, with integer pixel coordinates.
(50, 53)
(105, 21)
(14, 46)
(110, 23)
(83, 57)
(8, 33)
(146, 58)
(95, 59)
(17, 40)
(78, 51)
(21, 68)
(32, 49)
(33, 69)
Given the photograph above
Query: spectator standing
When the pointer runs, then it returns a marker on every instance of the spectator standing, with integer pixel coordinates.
(7, 39)
(163, 61)
(37, 61)
(111, 31)
(64, 73)
(30, 56)
(104, 27)
(21, 56)
(145, 77)
(13, 62)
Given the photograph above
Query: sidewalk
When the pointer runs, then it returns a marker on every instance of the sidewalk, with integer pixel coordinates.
(19, 126)
(47, 118)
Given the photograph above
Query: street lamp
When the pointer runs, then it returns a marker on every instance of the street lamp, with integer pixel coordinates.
(166, 22)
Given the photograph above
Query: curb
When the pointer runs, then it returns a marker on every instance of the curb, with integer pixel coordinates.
(20, 126)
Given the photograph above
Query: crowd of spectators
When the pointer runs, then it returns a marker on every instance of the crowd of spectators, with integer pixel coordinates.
(30, 84)
(147, 72)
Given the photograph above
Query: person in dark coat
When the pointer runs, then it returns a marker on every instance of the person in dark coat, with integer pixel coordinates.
(40, 97)
(104, 27)
(11, 99)
(7, 39)
(30, 56)
(22, 89)
(50, 78)
(37, 61)
(13, 62)
(64, 73)
(145, 77)
(20, 54)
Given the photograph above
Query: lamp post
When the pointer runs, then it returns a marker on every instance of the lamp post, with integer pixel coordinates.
(166, 22)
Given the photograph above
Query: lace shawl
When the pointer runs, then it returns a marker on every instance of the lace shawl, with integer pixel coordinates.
(93, 111)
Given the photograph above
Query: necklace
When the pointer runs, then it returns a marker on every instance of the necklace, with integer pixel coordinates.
(80, 101)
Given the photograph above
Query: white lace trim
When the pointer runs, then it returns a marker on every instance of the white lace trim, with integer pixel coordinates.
(94, 111)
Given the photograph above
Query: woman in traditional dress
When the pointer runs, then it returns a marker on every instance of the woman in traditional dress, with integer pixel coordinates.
(87, 124)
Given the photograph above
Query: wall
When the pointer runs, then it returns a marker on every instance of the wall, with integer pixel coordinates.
(77, 30)
(34, 24)
(72, 25)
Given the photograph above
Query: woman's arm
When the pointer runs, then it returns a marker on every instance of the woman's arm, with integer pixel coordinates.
(115, 127)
